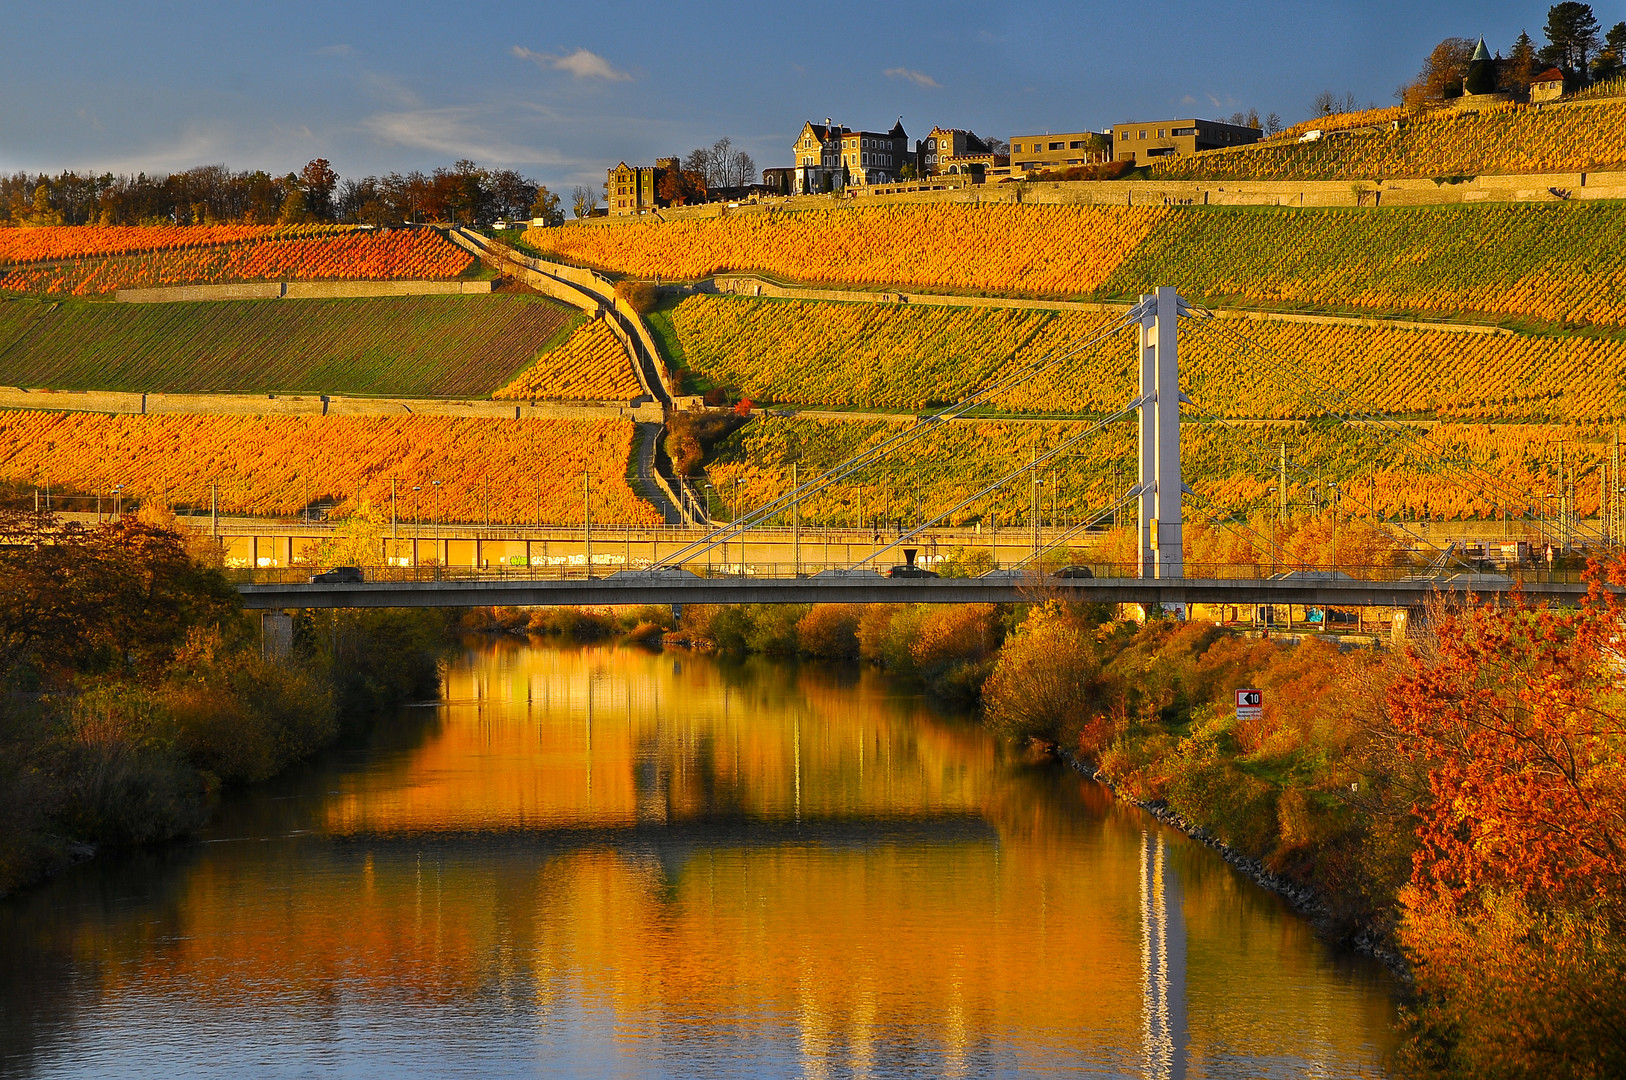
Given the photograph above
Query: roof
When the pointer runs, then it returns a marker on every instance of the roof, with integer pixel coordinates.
(1480, 53)
(1550, 75)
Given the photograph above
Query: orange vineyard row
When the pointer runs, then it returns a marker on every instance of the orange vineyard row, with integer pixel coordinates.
(1021, 249)
(532, 469)
(591, 365)
(24, 245)
(352, 256)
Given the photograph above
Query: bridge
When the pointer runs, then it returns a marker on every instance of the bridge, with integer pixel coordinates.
(635, 588)
(695, 568)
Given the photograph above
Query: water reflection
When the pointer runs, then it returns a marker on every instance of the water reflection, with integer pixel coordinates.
(608, 861)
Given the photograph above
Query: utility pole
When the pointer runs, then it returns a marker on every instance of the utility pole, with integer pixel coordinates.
(587, 520)
(214, 511)
(1034, 514)
(1161, 528)
(796, 522)
(395, 531)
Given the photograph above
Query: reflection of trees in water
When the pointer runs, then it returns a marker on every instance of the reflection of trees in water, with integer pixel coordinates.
(937, 905)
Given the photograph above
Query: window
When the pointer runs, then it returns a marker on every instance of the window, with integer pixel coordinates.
(1160, 133)
(1143, 135)
(1057, 146)
(1075, 146)
(1185, 131)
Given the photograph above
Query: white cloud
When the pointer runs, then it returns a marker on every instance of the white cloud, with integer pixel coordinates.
(334, 50)
(455, 131)
(919, 78)
(581, 64)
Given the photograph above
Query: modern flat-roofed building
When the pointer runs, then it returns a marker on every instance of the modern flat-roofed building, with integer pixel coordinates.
(1152, 139)
(1032, 153)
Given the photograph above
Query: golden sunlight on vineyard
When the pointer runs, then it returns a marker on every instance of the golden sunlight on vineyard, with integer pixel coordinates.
(1412, 471)
(523, 471)
(1047, 250)
(913, 357)
(1508, 138)
(590, 365)
(39, 244)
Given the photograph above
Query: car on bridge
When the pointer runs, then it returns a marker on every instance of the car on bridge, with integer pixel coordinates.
(1074, 572)
(905, 570)
(339, 575)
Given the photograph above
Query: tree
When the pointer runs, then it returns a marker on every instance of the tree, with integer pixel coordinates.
(317, 180)
(1572, 36)
(1517, 899)
(1611, 59)
(1442, 73)
(545, 207)
(1520, 67)
(720, 165)
(1273, 124)
(583, 200)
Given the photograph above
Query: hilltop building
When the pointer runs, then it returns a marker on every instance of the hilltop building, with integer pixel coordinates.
(829, 157)
(1548, 86)
(1031, 153)
(952, 150)
(635, 189)
(1152, 139)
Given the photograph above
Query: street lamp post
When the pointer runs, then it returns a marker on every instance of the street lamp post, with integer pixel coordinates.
(417, 522)
(440, 560)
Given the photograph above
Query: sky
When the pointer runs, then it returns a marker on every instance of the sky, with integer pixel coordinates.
(563, 91)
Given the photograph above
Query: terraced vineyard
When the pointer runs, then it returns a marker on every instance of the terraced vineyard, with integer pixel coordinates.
(55, 242)
(591, 365)
(1547, 262)
(522, 471)
(1038, 250)
(346, 256)
(1507, 138)
(419, 346)
(891, 356)
(1232, 469)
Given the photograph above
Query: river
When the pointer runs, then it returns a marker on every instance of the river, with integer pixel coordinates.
(608, 861)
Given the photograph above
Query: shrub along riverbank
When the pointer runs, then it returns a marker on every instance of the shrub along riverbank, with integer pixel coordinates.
(135, 688)
(1460, 800)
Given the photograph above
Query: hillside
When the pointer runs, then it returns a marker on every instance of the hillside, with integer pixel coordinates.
(1553, 263)
(1504, 138)
(419, 346)
(271, 255)
(531, 470)
(913, 357)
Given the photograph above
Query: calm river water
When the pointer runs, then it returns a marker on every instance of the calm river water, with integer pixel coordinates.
(610, 862)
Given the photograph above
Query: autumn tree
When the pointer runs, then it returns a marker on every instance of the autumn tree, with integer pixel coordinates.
(545, 207)
(1442, 73)
(1520, 66)
(317, 180)
(583, 200)
(1517, 900)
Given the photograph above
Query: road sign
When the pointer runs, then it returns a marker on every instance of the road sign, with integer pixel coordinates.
(1250, 704)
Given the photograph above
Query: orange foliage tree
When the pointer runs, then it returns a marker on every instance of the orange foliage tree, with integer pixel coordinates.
(1517, 899)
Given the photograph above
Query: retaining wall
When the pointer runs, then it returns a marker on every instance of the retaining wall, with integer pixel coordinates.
(317, 405)
(302, 290)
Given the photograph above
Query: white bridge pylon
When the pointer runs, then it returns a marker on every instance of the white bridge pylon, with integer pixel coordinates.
(1160, 488)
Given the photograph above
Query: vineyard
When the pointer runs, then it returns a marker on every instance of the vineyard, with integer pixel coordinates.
(1231, 469)
(1505, 138)
(1547, 262)
(591, 365)
(521, 471)
(347, 256)
(893, 356)
(54, 242)
(1554, 263)
(418, 346)
(1038, 250)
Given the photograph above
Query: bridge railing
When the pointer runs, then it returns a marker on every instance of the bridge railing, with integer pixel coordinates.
(609, 566)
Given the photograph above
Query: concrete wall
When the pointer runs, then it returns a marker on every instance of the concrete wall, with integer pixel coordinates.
(1531, 187)
(302, 290)
(753, 286)
(316, 405)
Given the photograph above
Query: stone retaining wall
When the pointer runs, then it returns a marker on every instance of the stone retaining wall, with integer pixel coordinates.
(317, 405)
(302, 290)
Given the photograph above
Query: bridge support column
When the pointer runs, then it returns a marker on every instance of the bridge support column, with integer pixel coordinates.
(1161, 539)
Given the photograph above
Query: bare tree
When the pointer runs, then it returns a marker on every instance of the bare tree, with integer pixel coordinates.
(721, 165)
(583, 200)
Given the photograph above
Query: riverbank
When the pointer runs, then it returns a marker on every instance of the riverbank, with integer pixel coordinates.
(138, 691)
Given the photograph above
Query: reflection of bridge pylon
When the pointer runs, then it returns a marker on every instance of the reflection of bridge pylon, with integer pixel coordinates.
(1163, 964)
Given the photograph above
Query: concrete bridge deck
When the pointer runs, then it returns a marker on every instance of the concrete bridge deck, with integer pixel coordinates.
(679, 588)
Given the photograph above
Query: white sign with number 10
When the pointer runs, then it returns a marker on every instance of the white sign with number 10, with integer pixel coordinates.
(1250, 704)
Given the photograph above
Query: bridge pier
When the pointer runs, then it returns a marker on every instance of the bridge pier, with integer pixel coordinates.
(1162, 541)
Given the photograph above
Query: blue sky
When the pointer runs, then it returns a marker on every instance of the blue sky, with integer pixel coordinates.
(560, 91)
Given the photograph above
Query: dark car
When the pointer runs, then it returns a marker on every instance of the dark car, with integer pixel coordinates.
(1074, 572)
(911, 571)
(345, 575)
